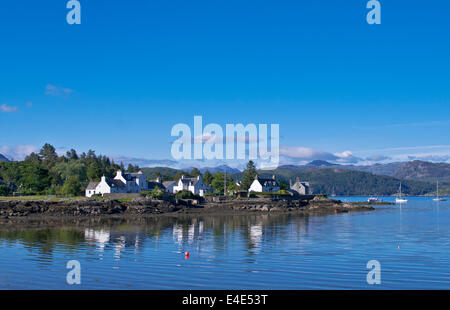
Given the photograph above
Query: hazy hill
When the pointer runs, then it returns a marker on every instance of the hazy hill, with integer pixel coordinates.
(418, 178)
(3, 158)
(164, 171)
(351, 182)
(425, 171)
(221, 168)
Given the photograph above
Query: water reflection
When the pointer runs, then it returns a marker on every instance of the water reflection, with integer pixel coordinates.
(120, 234)
(260, 251)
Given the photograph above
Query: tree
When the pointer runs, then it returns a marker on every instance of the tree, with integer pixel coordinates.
(48, 155)
(283, 185)
(72, 186)
(195, 173)
(132, 169)
(33, 158)
(72, 154)
(71, 168)
(207, 178)
(94, 172)
(218, 182)
(248, 175)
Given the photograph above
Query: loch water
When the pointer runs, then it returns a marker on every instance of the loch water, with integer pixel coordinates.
(258, 251)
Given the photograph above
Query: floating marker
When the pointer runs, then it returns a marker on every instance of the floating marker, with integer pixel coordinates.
(186, 254)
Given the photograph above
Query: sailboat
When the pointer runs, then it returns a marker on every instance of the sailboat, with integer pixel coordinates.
(437, 193)
(399, 198)
(333, 194)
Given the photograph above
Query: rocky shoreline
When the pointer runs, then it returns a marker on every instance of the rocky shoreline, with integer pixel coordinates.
(15, 208)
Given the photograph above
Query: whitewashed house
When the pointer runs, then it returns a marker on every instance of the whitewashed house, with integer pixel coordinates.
(122, 183)
(194, 185)
(260, 185)
(301, 188)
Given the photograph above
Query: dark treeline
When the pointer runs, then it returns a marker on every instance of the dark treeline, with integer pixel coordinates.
(47, 173)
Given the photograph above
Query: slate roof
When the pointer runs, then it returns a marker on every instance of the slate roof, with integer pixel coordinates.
(168, 183)
(267, 182)
(92, 185)
(114, 183)
(152, 185)
(192, 181)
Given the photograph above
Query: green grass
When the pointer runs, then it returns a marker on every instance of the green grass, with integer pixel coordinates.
(41, 197)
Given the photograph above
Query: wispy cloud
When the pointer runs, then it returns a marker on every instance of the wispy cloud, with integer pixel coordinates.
(57, 91)
(301, 153)
(17, 152)
(7, 109)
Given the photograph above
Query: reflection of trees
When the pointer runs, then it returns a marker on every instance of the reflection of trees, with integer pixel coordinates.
(45, 239)
(255, 230)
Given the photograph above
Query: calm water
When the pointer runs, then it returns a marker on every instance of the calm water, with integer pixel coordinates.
(235, 252)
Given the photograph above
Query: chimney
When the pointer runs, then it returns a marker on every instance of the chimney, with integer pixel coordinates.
(140, 172)
(297, 180)
(119, 173)
(158, 180)
(273, 177)
(182, 177)
(104, 178)
(256, 177)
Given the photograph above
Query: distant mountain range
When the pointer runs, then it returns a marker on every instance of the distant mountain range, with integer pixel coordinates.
(413, 170)
(418, 177)
(3, 158)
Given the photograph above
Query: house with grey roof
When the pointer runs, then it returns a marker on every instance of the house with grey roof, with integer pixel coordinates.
(168, 186)
(194, 185)
(260, 185)
(122, 183)
(301, 188)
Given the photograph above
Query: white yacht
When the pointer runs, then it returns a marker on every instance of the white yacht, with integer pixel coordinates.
(399, 198)
(437, 194)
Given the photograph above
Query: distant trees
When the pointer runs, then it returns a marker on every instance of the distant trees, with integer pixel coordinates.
(218, 182)
(207, 178)
(47, 173)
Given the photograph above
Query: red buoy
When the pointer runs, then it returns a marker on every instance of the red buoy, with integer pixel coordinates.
(186, 254)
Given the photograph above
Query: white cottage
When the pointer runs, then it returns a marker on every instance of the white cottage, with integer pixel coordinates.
(122, 183)
(260, 185)
(302, 188)
(194, 185)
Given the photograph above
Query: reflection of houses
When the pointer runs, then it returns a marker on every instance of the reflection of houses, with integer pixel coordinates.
(181, 234)
(99, 237)
(117, 241)
(256, 232)
(301, 188)
(264, 185)
(194, 185)
(122, 183)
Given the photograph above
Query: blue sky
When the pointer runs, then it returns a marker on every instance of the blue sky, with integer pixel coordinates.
(118, 82)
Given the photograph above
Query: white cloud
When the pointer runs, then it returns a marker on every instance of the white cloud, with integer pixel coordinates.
(303, 154)
(7, 109)
(17, 152)
(57, 91)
